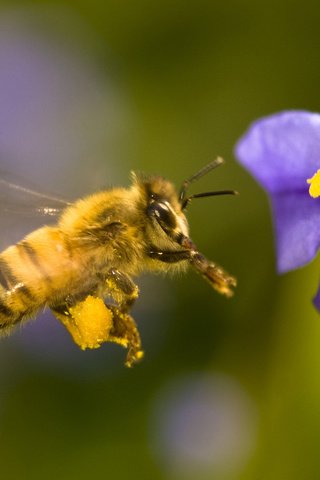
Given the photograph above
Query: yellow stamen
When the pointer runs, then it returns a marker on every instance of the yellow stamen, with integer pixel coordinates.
(314, 189)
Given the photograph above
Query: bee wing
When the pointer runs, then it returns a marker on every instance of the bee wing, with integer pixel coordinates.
(16, 196)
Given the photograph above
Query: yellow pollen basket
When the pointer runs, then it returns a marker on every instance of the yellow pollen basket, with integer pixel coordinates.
(90, 323)
(314, 189)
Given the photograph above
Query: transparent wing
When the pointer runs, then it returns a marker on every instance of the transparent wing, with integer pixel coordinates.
(18, 197)
(23, 208)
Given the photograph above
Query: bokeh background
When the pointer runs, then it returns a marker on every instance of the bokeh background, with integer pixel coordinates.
(228, 389)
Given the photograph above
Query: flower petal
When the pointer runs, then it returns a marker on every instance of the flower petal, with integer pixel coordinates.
(316, 300)
(283, 150)
(297, 223)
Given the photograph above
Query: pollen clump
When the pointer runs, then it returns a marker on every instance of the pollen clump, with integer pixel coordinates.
(314, 189)
(91, 322)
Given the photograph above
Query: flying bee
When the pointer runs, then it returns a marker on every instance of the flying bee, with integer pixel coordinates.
(82, 267)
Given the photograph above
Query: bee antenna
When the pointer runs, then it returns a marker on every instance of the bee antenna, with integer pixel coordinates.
(187, 200)
(203, 171)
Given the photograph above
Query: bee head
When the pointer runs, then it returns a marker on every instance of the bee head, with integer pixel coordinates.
(167, 226)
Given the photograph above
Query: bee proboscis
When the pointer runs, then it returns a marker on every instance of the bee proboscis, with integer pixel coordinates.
(92, 253)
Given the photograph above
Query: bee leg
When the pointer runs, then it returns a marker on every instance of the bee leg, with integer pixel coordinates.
(124, 332)
(89, 321)
(122, 289)
(170, 257)
(215, 275)
(218, 278)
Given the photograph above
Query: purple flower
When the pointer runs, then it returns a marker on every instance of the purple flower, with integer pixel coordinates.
(282, 152)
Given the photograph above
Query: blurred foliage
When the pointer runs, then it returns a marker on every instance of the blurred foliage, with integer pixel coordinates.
(192, 75)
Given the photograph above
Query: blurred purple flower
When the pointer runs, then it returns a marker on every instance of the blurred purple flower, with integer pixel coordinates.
(282, 152)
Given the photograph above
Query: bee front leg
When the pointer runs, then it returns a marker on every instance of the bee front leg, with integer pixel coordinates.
(170, 257)
(214, 274)
(122, 289)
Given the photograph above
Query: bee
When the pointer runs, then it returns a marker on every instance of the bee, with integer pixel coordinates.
(82, 268)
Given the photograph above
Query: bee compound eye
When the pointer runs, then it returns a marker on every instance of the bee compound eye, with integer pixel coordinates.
(163, 214)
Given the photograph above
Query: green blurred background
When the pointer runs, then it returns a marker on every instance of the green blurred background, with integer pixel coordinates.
(228, 389)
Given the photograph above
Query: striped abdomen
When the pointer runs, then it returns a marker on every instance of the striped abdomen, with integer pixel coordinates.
(31, 272)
